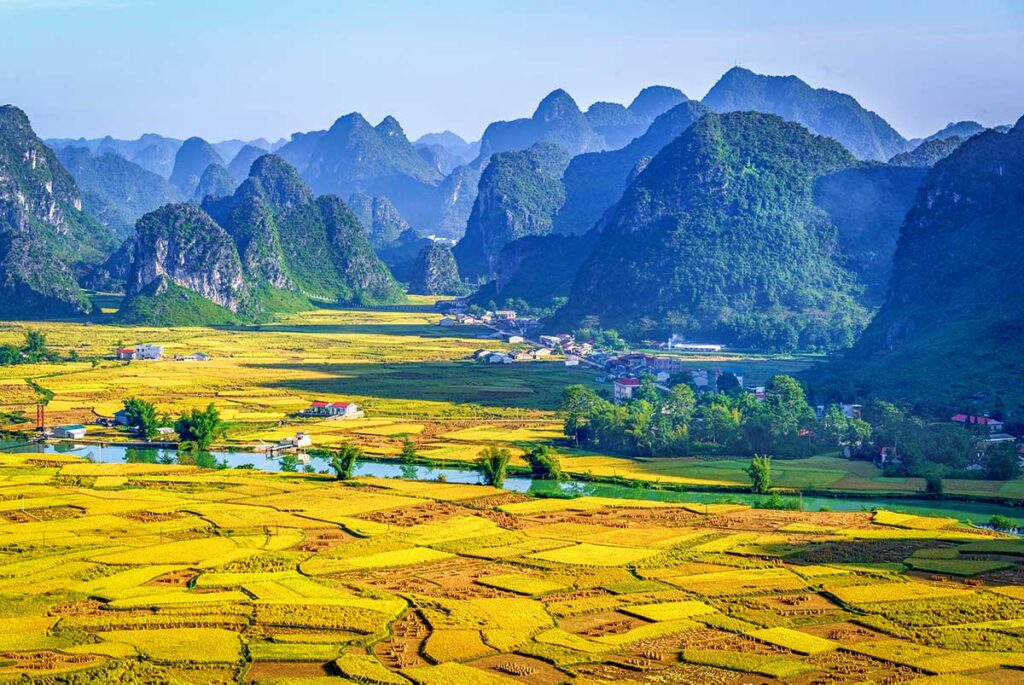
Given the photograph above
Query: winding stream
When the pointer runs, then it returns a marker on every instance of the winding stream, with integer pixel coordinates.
(978, 512)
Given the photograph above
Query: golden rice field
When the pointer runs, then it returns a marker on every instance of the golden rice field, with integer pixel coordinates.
(154, 573)
(413, 378)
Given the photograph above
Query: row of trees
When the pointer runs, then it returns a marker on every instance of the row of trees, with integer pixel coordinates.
(197, 429)
(681, 422)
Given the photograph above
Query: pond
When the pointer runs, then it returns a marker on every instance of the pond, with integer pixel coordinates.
(978, 512)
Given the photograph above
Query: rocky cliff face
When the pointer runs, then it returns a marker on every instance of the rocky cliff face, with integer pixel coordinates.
(44, 234)
(435, 272)
(182, 244)
(519, 194)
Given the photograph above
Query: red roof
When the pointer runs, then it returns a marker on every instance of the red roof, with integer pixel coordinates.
(318, 404)
(341, 405)
(628, 381)
(980, 420)
(126, 351)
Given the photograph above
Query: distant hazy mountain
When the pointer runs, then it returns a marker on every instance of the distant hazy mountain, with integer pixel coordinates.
(191, 160)
(825, 112)
(618, 125)
(242, 161)
(441, 158)
(960, 129)
(519, 194)
(216, 181)
(452, 141)
(152, 152)
(928, 153)
(594, 181)
(557, 120)
(952, 326)
(45, 236)
(354, 156)
(114, 190)
(453, 203)
(382, 221)
(718, 238)
(298, 150)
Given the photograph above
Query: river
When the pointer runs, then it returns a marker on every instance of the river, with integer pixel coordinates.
(978, 512)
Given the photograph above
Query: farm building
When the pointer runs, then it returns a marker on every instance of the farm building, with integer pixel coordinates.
(514, 339)
(505, 314)
(624, 388)
(150, 352)
(126, 354)
(299, 440)
(342, 410)
(71, 432)
(980, 422)
(446, 322)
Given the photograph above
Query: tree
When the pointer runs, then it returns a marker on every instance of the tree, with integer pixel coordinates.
(933, 480)
(408, 455)
(544, 463)
(1001, 462)
(577, 408)
(760, 472)
(343, 460)
(680, 403)
(1000, 522)
(9, 355)
(729, 384)
(493, 465)
(201, 426)
(142, 415)
(35, 345)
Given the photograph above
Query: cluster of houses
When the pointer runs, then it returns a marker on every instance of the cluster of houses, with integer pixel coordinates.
(624, 372)
(334, 410)
(499, 357)
(155, 353)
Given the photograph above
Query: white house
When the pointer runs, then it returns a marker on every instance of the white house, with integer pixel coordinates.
(446, 322)
(505, 314)
(151, 352)
(126, 354)
(624, 388)
(572, 360)
(514, 339)
(341, 410)
(299, 440)
(676, 342)
(71, 432)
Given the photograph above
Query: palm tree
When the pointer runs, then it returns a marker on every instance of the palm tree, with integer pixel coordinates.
(493, 465)
(344, 459)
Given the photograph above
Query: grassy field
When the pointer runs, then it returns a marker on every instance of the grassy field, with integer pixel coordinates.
(165, 573)
(413, 378)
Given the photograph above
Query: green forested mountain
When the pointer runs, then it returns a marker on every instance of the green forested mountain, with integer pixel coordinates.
(927, 153)
(557, 120)
(289, 240)
(867, 205)
(181, 244)
(435, 272)
(216, 181)
(595, 181)
(538, 270)
(952, 326)
(518, 195)
(823, 111)
(45, 236)
(191, 160)
(718, 238)
(115, 191)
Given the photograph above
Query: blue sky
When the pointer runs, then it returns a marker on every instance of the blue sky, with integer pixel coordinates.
(249, 68)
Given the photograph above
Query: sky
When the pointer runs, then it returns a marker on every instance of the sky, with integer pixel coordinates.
(259, 68)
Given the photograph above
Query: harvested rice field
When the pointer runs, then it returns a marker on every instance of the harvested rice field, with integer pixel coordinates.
(164, 573)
